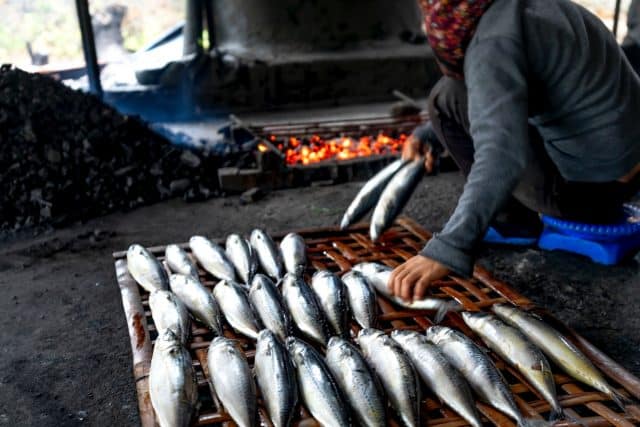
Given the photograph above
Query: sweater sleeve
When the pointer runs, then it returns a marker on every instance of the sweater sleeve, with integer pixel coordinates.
(495, 75)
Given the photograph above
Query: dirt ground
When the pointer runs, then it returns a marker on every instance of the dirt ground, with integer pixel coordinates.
(65, 350)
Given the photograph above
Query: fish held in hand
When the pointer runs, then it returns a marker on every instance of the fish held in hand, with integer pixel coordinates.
(331, 295)
(234, 302)
(305, 309)
(357, 381)
(396, 372)
(294, 254)
(395, 196)
(438, 374)
(232, 380)
(179, 261)
(145, 269)
(212, 258)
(370, 193)
(362, 299)
(198, 300)
(276, 378)
(268, 254)
(169, 313)
(268, 304)
(241, 255)
(317, 387)
(172, 382)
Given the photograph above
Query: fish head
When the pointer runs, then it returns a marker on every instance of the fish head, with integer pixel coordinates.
(258, 281)
(266, 342)
(179, 279)
(476, 319)
(234, 239)
(257, 235)
(367, 336)
(137, 249)
(168, 341)
(197, 240)
(223, 344)
(339, 349)
(290, 281)
(298, 349)
(505, 311)
(160, 296)
(322, 275)
(405, 336)
(438, 334)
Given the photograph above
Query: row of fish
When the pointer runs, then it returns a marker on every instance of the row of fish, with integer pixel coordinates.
(386, 193)
(239, 261)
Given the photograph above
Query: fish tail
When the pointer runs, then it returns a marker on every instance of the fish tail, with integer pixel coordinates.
(529, 422)
(623, 401)
(558, 413)
(345, 223)
(445, 308)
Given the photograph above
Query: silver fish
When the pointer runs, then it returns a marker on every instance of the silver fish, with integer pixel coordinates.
(357, 381)
(198, 300)
(305, 309)
(483, 376)
(212, 258)
(514, 347)
(367, 197)
(267, 303)
(438, 374)
(179, 261)
(395, 196)
(294, 254)
(317, 387)
(378, 276)
(396, 372)
(242, 257)
(172, 382)
(232, 380)
(268, 254)
(362, 299)
(330, 292)
(169, 312)
(276, 378)
(559, 349)
(234, 302)
(145, 269)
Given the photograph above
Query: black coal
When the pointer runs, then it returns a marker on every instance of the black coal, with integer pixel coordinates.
(66, 156)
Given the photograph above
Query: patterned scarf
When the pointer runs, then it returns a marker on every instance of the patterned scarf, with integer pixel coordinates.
(450, 26)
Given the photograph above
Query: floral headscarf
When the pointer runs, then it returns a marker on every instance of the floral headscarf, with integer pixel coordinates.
(450, 26)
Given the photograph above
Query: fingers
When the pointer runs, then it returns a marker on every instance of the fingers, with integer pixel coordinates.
(397, 283)
(429, 162)
(408, 283)
(420, 290)
(410, 149)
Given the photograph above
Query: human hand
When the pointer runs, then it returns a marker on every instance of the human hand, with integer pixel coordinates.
(411, 280)
(414, 149)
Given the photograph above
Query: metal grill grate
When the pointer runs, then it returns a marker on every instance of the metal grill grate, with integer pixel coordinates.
(335, 250)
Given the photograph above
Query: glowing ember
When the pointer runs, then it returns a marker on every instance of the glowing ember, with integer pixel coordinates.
(317, 149)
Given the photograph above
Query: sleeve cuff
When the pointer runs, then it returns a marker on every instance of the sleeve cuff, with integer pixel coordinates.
(453, 258)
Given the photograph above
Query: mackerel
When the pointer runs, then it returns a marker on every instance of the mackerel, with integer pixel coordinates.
(268, 254)
(267, 303)
(305, 309)
(362, 299)
(169, 313)
(294, 254)
(234, 302)
(198, 300)
(179, 261)
(242, 257)
(331, 295)
(145, 269)
(212, 258)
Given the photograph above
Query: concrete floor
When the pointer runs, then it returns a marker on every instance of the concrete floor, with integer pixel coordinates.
(64, 344)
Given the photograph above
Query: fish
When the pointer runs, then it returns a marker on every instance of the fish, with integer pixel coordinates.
(294, 254)
(305, 310)
(198, 300)
(438, 374)
(559, 349)
(396, 372)
(232, 380)
(168, 312)
(514, 347)
(357, 381)
(378, 276)
(318, 389)
(329, 290)
(478, 369)
(276, 378)
(268, 254)
(145, 269)
(269, 306)
(362, 299)
(234, 302)
(369, 194)
(172, 382)
(212, 258)
(179, 261)
(394, 197)
(241, 255)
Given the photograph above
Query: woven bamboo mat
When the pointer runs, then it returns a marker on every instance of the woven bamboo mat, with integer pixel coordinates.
(338, 251)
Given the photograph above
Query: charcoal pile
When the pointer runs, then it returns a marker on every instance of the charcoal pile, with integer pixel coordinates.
(66, 156)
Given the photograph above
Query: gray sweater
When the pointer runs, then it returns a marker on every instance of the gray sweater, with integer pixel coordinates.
(552, 64)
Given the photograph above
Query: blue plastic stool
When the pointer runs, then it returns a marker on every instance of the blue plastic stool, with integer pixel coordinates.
(606, 244)
(494, 237)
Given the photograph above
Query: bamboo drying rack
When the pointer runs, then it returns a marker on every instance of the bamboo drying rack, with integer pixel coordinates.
(336, 250)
